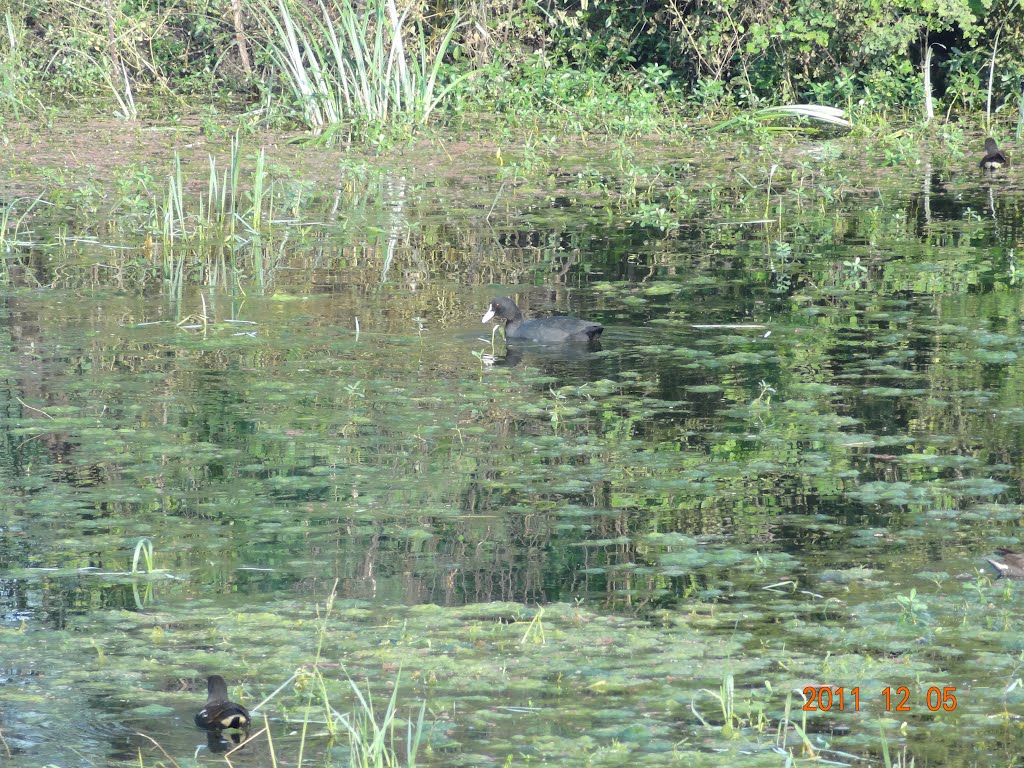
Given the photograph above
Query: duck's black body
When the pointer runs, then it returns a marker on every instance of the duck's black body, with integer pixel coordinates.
(993, 158)
(544, 330)
(219, 713)
(1012, 565)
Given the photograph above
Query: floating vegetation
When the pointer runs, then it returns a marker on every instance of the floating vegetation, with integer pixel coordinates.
(780, 475)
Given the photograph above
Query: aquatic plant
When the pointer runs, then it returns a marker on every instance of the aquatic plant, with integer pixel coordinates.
(219, 206)
(726, 696)
(901, 760)
(217, 221)
(343, 63)
(535, 630)
(764, 396)
(11, 226)
(911, 607)
(374, 738)
(143, 552)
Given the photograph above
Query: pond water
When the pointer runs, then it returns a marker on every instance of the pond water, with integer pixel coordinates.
(783, 468)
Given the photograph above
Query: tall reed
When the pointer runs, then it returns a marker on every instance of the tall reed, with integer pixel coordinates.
(347, 64)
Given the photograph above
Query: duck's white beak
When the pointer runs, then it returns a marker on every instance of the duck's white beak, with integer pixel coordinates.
(489, 315)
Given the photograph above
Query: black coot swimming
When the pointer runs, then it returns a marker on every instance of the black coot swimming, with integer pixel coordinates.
(220, 713)
(1011, 566)
(993, 157)
(543, 330)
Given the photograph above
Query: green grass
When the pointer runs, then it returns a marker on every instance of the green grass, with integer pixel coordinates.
(341, 65)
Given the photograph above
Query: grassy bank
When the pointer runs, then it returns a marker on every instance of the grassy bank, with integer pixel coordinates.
(371, 72)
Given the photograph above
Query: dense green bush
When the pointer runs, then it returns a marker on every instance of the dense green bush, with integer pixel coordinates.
(642, 57)
(837, 51)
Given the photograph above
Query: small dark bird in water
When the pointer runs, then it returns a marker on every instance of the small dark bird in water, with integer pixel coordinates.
(993, 157)
(544, 330)
(220, 713)
(1012, 565)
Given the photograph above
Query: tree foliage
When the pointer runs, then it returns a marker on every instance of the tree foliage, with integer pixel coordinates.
(713, 53)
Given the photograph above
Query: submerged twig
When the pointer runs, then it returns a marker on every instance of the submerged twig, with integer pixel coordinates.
(487, 218)
(26, 405)
(157, 745)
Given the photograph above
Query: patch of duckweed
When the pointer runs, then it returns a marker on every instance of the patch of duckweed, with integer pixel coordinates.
(899, 493)
(581, 668)
(893, 392)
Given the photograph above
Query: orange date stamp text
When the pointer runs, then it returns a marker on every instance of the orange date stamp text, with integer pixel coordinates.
(829, 698)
